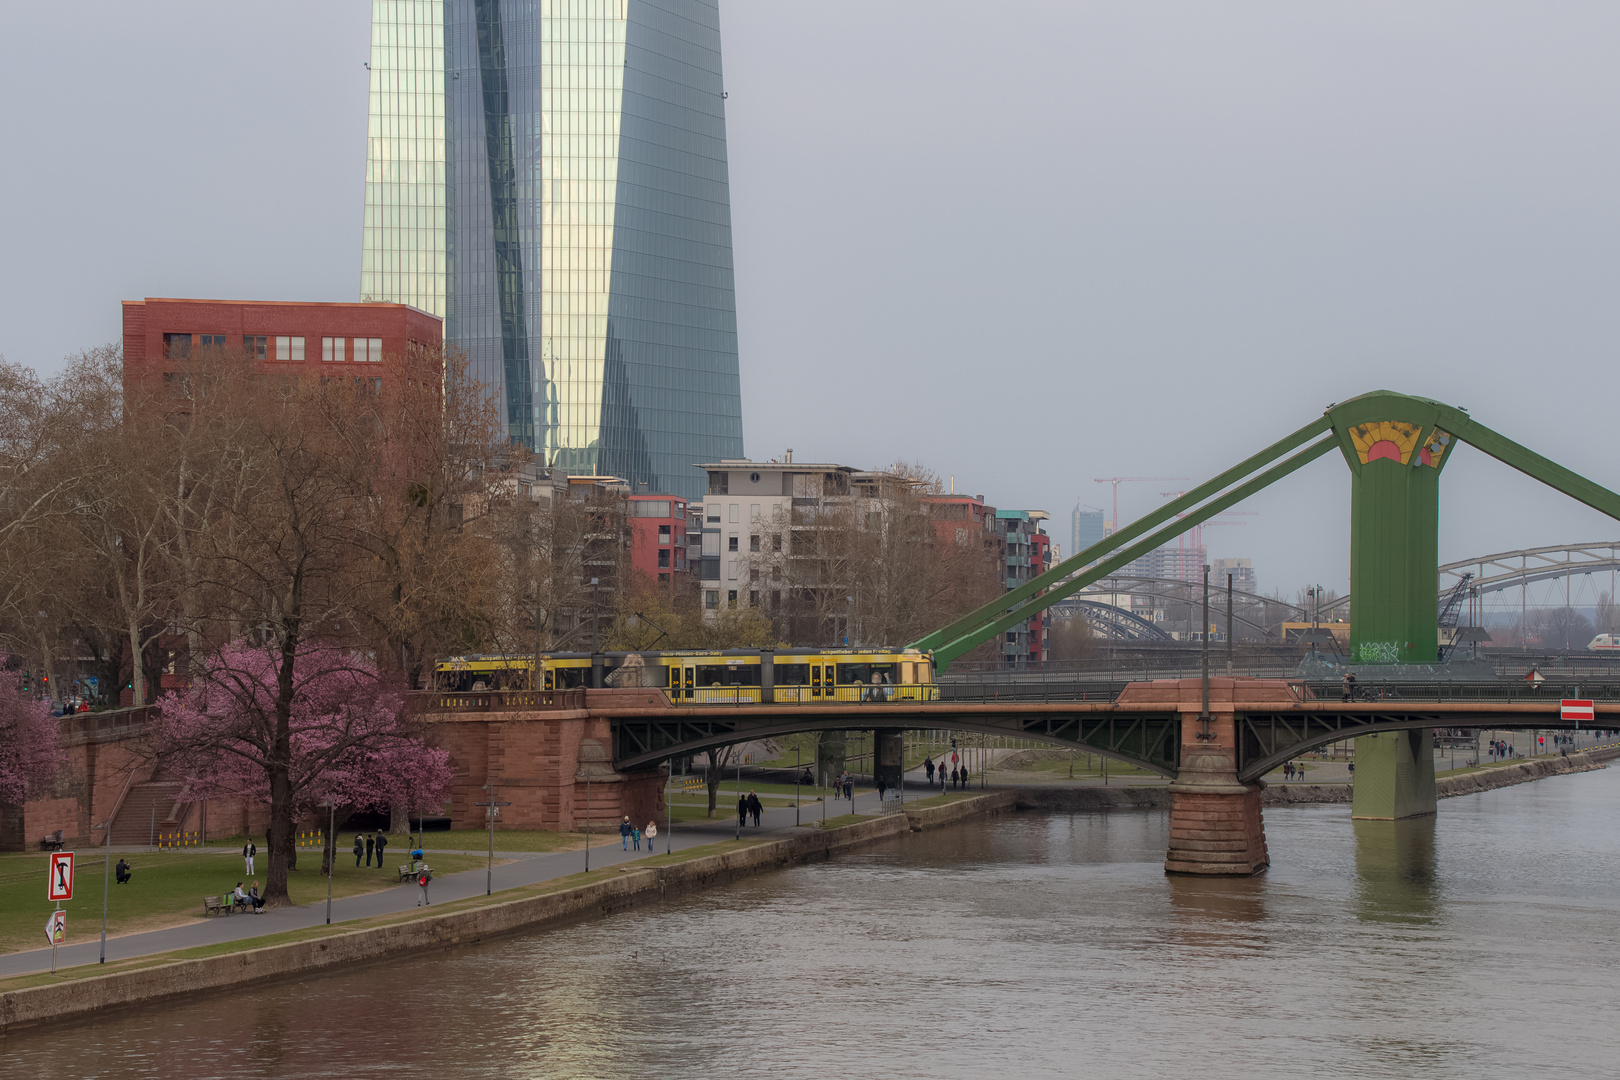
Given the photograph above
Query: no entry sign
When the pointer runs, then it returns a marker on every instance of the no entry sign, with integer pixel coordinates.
(61, 884)
(1576, 710)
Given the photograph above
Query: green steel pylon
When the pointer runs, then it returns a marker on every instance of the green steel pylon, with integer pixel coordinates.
(1396, 447)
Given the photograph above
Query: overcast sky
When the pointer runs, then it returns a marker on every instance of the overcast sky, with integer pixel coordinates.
(1026, 244)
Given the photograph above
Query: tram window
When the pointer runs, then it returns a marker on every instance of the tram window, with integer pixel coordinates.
(792, 674)
(570, 678)
(728, 675)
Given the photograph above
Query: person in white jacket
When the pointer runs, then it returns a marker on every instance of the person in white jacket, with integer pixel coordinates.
(651, 834)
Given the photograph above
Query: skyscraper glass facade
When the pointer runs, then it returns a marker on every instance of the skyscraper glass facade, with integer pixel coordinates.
(587, 232)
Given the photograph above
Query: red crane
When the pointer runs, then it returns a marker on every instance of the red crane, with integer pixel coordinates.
(1118, 480)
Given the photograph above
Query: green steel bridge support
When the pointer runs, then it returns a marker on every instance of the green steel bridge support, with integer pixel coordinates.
(1396, 447)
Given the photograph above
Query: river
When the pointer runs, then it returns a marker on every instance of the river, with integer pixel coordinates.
(1479, 944)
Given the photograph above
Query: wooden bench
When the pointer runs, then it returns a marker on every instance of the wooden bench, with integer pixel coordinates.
(407, 873)
(53, 842)
(212, 906)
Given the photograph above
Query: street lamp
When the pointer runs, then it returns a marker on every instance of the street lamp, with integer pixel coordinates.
(331, 853)
(491, 809)
(106, 871)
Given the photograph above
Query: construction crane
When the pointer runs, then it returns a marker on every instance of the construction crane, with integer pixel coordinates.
(1118, 480)
(1196, 533)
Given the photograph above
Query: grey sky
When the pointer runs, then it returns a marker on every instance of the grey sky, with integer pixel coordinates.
(1025, 244)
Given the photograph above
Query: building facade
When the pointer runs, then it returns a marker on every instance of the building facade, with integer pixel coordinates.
(1026, 551)
(1241, 570)
(551, 177)
(1086, 527)
(309, 340)
(658, 538)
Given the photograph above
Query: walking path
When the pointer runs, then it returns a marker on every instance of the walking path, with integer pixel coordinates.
(524, 868)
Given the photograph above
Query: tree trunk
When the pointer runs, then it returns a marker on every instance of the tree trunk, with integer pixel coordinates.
(138, 673)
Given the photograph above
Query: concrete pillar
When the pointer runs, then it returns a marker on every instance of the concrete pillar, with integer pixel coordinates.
(886, 758)
(1394, 776)
(1215, 824)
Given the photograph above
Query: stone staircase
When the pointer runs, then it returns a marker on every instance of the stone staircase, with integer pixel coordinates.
(157, 801)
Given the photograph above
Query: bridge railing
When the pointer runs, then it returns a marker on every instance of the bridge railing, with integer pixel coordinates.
(1549, 692)
(497, 700)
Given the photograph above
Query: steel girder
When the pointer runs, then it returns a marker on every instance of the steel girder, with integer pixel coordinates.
(1124, 625)
(1147, 741)
(1267, 739)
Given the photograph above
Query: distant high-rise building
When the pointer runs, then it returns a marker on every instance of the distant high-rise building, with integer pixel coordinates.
(551, 178)
(1087, 527)
(1242, 571)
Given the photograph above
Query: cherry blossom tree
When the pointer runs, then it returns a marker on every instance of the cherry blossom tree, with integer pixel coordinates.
(29, 754)
(345, 739)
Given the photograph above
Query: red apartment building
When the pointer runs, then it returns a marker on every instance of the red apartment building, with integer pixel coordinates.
(283, 337)
(658, 538)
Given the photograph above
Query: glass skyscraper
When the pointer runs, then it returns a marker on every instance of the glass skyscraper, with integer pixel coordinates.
(550, 177)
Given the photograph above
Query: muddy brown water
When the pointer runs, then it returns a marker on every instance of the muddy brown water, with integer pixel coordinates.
(1479, 944)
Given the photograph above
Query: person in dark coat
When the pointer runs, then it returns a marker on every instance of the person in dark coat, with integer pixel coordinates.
(368, 851)
(359, 849)
(624, 833)
(382, 842)
(122, 870)
(742, 810)
(928, 767)
(755, 807)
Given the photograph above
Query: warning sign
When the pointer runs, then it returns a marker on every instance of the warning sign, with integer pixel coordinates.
(61, 885)
(56, 927)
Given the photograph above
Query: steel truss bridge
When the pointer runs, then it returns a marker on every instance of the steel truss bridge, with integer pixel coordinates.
(1090, 717)
(1500, 572)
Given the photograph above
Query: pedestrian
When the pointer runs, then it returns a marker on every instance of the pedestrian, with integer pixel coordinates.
(928, 767)
(382, 842)
(635, 838)
(652, 834)
(369, 845)
(359, 849)
(742, 810)
(755, 807)
(248, 851)
(239, 899)
(624, 833)
(255, 899)
(122, 870)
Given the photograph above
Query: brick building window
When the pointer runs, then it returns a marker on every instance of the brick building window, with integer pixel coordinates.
(176, 346)
(333, 349)
(663, 558)
(290, 348)
(256, 347)
(211, 341)
(367, 350)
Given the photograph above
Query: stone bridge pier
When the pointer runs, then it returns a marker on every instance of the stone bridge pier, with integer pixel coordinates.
(1215, 823)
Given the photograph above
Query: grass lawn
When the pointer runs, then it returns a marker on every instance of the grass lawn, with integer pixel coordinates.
(168, 888)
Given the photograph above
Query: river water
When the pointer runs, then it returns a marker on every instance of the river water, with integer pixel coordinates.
(1479, 944)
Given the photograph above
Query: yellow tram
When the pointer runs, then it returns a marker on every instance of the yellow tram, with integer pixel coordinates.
(731, 676)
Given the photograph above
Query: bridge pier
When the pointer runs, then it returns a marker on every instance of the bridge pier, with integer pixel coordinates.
(1215, 823)
(1394, 775)
(887, 760)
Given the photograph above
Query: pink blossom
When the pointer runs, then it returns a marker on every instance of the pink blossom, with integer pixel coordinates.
(29, 754)
(348, 739)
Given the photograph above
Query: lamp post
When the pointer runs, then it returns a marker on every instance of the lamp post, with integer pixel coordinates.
(331, 854)
(795, 787)
(491, 809)
(106, 871)
(587, 819)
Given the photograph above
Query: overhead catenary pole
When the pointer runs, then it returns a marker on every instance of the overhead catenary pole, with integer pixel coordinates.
(106, 870)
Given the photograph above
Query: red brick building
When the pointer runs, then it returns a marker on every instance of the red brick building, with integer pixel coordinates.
(658, 538)
(283, 337)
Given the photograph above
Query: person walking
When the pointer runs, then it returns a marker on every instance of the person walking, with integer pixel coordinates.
(382, 842)
(369, 844)
(742, 810)
(624, 833)
(248, 851)
(755, 807)
(359, 849)
(651, 834)
(928, 767)
(635, 838)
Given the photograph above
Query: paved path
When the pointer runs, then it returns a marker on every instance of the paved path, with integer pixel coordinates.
(525, 868)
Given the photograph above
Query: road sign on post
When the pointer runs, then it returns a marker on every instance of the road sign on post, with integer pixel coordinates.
(1576, 710)
(56, 927)
(61, 883)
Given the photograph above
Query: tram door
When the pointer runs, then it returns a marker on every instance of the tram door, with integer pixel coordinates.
(689, 675)
(829, 682)
(815, 680)
(551, 679)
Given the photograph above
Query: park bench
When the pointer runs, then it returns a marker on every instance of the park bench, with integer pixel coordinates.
(240, 905)
(407, 873)
(53, 842)
(212, 906)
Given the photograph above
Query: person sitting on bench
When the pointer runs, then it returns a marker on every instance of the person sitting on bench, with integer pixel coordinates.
(254, 898)
(239, 899)
(122, 870)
